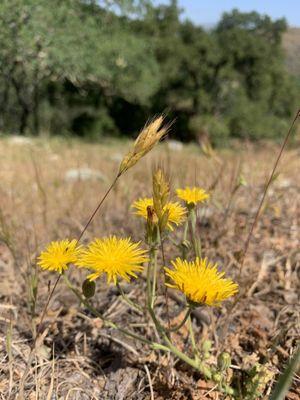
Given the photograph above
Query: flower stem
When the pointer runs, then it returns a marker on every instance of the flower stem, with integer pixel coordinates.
(160, 329)
(195, 238)
(177, 327)
(192, 337)
(154, 277)
(152, 268)
(184, 238)
(128, 300)
(99, 315)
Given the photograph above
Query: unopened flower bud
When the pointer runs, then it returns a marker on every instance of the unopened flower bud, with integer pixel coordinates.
(205, 370)
(217, 377)
(206, 345)
(224, 361)
(88, 288)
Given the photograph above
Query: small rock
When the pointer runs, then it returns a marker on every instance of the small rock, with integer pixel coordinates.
(284, 183)
(20, 140)
(84, 174)
(117, 157)
(174, 145)
(54, 157)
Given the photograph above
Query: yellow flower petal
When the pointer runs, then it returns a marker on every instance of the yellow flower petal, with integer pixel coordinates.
(118, 258)
(176, 215)
(200, 281)
(192, 195)
(58, 255)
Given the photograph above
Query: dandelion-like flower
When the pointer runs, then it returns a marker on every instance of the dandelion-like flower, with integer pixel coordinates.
(200, 281)
(192, 195)
(118, 258)
(176, 213)
(58, 255)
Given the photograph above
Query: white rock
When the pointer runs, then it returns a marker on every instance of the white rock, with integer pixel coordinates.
(54, 157)
(284, 183)
(174, 145)
(84, 174)
(117, 157)
(20, 140)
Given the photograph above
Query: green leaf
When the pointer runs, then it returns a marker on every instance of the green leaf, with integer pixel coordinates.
(286, 378)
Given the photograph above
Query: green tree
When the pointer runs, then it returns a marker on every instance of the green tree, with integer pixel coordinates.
(256, 89)
(70, 41)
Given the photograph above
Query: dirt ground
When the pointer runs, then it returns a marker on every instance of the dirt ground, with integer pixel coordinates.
(47, 192)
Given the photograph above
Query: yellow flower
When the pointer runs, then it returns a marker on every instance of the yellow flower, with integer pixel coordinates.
(200, 281)
(59, 255)
(176, 215)
(192, 195)
(113, 256)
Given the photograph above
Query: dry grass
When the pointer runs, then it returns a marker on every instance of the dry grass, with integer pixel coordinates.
(79, 360)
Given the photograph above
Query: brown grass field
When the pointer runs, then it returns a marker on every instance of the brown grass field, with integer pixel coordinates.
(42, 200)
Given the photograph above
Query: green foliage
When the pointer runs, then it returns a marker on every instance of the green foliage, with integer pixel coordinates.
(101, 68)
(252, 120)
(209, 126)
(258, 378)
(286, 378)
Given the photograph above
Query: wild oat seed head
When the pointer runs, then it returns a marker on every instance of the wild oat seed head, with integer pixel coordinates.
(58, 255)
(200, 281)
(147, 139)
(116, 257)
(161, 192)
(176, 213)
(192, 195)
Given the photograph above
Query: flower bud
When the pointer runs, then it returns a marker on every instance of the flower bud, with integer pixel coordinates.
(206, 345)
(205, 370)
(217, 377)
(224, 361)
(88, 288)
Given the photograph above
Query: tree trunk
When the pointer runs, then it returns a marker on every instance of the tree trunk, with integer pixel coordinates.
(25, 109)
(35, 110)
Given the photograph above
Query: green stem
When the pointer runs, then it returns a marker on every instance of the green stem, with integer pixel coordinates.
(160, 329)
(168, 347)
(160, 239)
(106, 321)
(127, 299)
(176, 328)
(195, 238)
(154, 278)
(184, 238)
(192, 337)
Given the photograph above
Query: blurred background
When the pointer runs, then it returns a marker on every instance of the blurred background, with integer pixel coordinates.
(93, 69)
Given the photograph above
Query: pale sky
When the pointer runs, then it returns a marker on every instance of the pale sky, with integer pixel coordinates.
(209, 12)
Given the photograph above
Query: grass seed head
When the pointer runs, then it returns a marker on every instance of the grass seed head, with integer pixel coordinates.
(147, 139)
(161, 194)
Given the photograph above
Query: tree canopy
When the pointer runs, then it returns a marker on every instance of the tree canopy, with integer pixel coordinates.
(96, 68)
